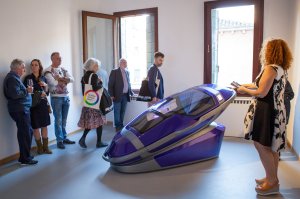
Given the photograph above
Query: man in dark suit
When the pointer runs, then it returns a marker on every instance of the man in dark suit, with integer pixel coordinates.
(156, 83)
(120, 91)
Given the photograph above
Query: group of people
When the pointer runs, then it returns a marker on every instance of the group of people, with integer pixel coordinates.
(119, 89)
(28, 105)
(265, 121)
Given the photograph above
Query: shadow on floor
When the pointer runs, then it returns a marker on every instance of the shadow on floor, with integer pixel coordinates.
(284, 194)
(52, 170)
(8, 168)
(15, 165)
(158, 183)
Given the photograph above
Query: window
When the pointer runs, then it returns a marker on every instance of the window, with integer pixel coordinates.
(233, 38)
(138, 41)
(137, 46)
(132, 35)
(98, 38)
(232, 44)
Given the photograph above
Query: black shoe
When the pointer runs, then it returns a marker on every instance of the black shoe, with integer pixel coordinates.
(67, 141)
(82, 143)
(30, 162)
(101, 144)
(60, 145)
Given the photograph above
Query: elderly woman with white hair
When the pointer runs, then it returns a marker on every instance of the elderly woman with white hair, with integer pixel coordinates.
(91, 118)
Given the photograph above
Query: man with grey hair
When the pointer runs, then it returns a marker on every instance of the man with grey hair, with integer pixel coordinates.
(19, 103)
(120, 91)
(58, 78)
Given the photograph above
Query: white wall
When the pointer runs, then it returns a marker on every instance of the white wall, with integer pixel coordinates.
(279, 20)
(24, 35)
(294, 75)
(34, 28)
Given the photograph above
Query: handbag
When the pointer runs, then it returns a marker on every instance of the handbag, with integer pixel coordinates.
(48, 106)
(106, 104)
(91, 98)
(36, 98)
(144, 93)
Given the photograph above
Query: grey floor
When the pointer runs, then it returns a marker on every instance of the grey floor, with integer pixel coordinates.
(83, 174)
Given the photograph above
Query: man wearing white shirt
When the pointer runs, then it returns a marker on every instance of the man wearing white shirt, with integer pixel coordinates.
(58, 78)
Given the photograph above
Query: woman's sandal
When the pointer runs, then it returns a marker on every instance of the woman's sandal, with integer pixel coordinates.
(267, 189)
(260, 181)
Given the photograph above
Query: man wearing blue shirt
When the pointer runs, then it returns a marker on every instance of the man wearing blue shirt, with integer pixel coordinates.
(19, 103)
(156, 83)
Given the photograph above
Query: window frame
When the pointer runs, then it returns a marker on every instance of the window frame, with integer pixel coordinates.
(85, 15)
(150, 11)
(116, 17)
(257, 35)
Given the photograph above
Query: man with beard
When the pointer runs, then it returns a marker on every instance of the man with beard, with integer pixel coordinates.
(155, 79)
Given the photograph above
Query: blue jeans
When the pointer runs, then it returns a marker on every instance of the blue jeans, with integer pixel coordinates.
(24, 134)
(60, 106)
(119, 112)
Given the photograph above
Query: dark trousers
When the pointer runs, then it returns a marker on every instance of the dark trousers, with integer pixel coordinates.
(24, 134)
(119, 111)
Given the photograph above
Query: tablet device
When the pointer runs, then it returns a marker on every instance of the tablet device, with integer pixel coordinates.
(235, 84)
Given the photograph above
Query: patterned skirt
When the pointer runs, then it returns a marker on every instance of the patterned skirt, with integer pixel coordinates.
(91, 118)
(262, 126)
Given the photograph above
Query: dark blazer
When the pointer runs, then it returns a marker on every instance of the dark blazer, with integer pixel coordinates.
(18, 99)
(152, 73)
(116, 85)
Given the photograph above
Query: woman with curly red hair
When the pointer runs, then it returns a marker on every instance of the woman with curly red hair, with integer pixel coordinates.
(265, 121)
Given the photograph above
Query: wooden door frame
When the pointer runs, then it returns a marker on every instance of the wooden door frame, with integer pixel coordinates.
(257, 37)
(150, 11)
(85, 15)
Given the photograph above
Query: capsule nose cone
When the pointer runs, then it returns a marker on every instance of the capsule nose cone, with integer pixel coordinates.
(119, 147)
(227, 93)
(110, 150)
